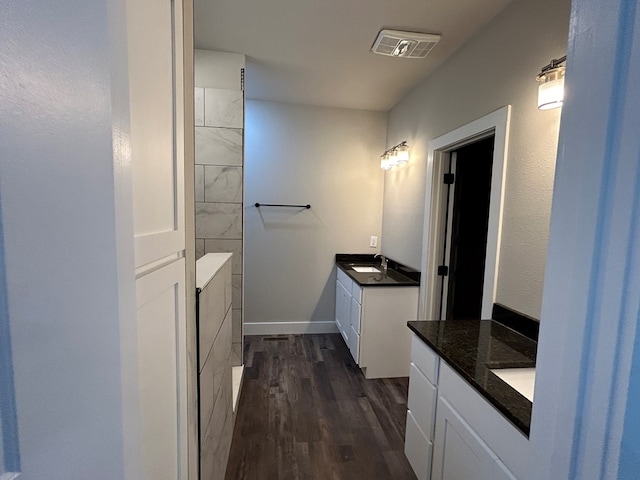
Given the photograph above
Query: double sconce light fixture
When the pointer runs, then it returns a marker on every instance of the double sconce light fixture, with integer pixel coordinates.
(395, 156)
(551, 88)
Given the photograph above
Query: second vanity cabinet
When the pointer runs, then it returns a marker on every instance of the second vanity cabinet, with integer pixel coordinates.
(372, 321)
(452, 432)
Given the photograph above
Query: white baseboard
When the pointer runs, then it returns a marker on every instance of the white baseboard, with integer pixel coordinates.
(284, 328)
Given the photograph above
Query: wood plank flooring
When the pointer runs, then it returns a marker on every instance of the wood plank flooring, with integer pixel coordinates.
(307, 412)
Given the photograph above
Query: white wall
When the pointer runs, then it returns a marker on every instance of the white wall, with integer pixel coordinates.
(328, 158)
(495, 68)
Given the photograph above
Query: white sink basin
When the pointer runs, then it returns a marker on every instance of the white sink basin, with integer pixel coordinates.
(521, 379)
(366, 269)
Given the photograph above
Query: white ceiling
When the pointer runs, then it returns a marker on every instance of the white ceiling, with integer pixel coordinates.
(318, 52)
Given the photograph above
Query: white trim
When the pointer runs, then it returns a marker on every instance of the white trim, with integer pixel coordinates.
(151, 246)
(291, 328)
(495, 123)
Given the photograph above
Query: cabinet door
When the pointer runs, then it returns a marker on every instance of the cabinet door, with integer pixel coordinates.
(354, 345)
(354, 319)
(355, 313)
(458, 452)
(343, 307)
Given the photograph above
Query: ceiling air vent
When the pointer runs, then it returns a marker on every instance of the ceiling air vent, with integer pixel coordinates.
(396, 43)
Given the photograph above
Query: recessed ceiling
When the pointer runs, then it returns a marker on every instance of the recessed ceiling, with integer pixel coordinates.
(318, 52)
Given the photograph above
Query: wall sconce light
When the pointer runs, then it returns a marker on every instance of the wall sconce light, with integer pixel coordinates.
(551, 88)
(385, 162)
(396, 155)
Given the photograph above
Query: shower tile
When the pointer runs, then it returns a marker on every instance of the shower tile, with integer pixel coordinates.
(218, 146)
(237, 325)
(237, 291)
(236, 354)
(199, 183)
(199, 106)
(223, 108)
(222, 184)
(200, 247)
(218, 245)
(219, 220)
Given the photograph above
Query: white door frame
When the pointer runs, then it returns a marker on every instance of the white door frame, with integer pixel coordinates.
(495, 123)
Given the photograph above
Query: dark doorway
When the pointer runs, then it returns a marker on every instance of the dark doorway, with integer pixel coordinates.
(466, 233)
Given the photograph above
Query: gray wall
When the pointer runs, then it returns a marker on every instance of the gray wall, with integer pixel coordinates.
(495, 68)
(299, 154)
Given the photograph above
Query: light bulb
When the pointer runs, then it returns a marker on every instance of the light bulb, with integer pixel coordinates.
(551, 89)
(393, 158)
(385, 164)
(402, 154)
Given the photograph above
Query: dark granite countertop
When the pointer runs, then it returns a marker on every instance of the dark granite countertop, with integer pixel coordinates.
(474, 347)
(397, 275)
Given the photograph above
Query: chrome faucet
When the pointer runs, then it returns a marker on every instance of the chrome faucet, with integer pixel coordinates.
(383, 261)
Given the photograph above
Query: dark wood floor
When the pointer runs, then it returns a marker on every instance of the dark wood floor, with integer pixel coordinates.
(307, 412)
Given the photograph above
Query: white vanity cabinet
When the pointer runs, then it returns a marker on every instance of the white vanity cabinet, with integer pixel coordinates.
(423, 395)
(453, 433)
(372, 321)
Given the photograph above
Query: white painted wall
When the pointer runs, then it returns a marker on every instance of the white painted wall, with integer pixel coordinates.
(497, 67)
(299, 154)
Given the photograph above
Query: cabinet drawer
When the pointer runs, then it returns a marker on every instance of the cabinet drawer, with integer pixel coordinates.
(425, 359)
(418, 449)
(422, 400)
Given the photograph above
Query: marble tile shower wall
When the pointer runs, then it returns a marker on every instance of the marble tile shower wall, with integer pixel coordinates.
(219, 120)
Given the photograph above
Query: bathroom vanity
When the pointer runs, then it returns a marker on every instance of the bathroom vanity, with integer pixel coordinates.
(463, 419)
(372, 308)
